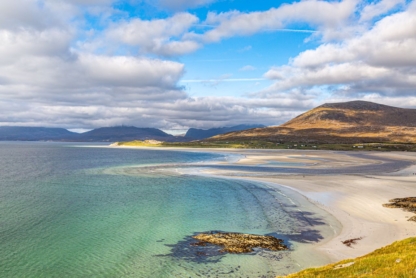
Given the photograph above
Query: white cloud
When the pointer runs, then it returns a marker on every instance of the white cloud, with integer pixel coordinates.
(159, 36)
(326, 16)
(41, 71)
(247, 68)
(177, 5)
(40, 15)
(87, 75)
(53, 72)
(376, 9)
(381, 61)
(129, 71)
(203, 112)
(23, 43)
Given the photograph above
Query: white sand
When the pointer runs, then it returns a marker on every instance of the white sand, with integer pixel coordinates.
(355, 200)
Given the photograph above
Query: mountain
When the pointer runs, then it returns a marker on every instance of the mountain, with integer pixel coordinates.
(198, 134)
(19, 133)
(104, 134)
(122, 133)
(346, 122)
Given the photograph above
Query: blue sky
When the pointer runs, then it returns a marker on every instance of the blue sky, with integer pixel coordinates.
(82, 64)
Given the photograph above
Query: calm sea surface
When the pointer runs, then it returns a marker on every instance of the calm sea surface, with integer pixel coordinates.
(68, 210)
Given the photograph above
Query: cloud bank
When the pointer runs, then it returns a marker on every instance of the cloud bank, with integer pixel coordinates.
(59, 69)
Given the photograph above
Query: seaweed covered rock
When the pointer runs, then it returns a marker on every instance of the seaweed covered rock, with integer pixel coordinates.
(241, 243)
(407, 204)
(413, 218)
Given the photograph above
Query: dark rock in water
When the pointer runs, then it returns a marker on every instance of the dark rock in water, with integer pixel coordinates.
(241, 243)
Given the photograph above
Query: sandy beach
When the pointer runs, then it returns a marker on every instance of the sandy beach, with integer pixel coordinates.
(351, 186)
(354, 198)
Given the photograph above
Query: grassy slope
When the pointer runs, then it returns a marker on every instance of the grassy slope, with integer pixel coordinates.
(341, 123)
(396, 260)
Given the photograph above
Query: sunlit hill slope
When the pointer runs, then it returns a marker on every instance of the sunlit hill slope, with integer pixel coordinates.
(348, 122)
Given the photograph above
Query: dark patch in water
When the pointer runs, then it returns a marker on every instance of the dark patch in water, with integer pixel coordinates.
(307, 217)
(189, 250)
(306, 236)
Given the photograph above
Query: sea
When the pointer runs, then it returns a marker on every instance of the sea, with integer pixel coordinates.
(88, 210)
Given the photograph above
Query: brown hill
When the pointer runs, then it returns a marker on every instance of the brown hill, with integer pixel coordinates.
(347, 122)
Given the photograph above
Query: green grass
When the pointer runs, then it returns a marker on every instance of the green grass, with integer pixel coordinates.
(396, 260)
(258, 144)
(137, 143)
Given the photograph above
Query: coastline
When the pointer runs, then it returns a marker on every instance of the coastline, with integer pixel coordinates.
(354, 199)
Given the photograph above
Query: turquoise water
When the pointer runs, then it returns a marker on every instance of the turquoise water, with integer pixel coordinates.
(71, 211)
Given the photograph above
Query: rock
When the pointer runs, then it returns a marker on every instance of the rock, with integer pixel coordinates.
(407, 204)
(241, 243)
(413, 218)
(344, 265)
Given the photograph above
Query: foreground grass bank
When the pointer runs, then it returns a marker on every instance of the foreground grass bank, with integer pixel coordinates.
(396, 260)
(257, 144)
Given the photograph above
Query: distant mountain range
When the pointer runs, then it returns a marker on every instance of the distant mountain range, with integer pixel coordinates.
(347, 122)
(330, 123)
(105, 134)
(123, 133)
(199, 134)
(17, 133)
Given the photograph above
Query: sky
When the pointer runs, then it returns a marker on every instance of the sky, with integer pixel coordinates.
(176, 64)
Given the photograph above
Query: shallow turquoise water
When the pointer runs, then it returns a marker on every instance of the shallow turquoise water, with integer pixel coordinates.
(67, 211)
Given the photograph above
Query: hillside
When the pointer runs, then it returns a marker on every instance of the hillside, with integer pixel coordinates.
(198, 134)
(395, 260)
(19, 133)
(348, 122)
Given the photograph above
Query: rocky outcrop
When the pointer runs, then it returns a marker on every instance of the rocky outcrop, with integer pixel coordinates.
(240, 243)
(407, 204)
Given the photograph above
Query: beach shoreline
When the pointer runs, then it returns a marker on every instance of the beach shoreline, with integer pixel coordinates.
(354, 199)
(356, 202)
